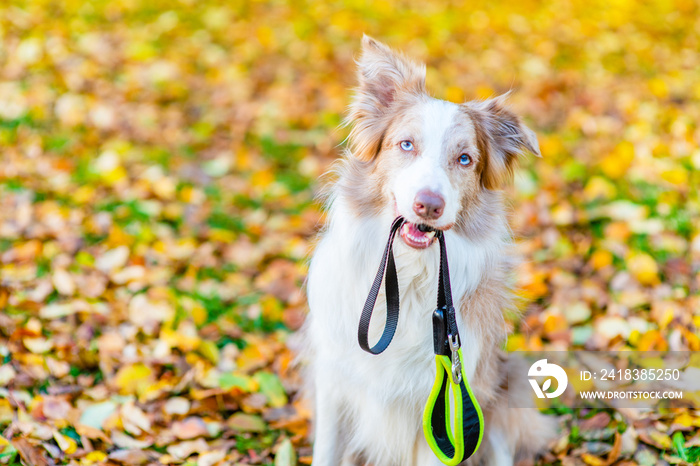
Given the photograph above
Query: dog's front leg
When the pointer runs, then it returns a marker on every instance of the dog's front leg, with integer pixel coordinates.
(424, 456)
(501, 450)
(327, 443)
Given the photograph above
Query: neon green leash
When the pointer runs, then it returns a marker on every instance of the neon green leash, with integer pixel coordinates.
(452, 442)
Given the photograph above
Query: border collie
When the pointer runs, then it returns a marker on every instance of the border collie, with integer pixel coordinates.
(439, 164)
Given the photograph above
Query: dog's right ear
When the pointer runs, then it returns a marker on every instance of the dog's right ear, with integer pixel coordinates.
(382, 75)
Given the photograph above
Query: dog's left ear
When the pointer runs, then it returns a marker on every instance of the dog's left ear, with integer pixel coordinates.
(501, 137)
(382, 74)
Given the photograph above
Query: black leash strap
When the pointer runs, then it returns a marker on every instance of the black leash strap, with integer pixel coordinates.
(444, 303)
(454, 443)
(452, 440)
(391, 288)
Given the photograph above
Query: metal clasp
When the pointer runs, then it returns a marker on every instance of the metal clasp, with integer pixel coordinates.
(456, 363)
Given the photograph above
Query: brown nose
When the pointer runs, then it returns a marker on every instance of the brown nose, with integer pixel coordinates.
(428, 205)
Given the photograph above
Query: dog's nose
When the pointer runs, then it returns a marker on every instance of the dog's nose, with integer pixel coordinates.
(428, 205)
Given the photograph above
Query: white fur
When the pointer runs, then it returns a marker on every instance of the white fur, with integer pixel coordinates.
(428, 170)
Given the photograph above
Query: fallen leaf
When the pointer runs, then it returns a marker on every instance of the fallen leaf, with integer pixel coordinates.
(656, 439)
(272, 388)
(134, 379)
(183, 450)
(65, 443)
(593, 460)
(246, 423)
(598, 421)
(133, 418)
(229, 380)
(95, 415)
(55, 408)
(189, 428)
(177, 405)
(286, 456)
(127, 442)
(130, 456)
(112, 259)
(210, 458)
(30, 453)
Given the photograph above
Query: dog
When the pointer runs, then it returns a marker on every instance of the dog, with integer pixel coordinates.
(441, 165)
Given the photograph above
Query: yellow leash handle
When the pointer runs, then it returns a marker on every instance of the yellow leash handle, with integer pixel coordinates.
(452, 442)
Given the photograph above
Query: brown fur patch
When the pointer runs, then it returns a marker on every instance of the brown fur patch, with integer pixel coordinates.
(363, 181)
(383, 75)
(501, 137)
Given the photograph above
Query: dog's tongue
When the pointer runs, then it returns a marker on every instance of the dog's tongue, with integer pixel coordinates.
(414, 235)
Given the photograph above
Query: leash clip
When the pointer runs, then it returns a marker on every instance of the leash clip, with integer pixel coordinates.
(456, 362)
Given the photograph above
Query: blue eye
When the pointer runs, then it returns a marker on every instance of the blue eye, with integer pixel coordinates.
(406, 145)
(465, 160)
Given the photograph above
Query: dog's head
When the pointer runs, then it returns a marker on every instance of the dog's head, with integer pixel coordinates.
(430, 160)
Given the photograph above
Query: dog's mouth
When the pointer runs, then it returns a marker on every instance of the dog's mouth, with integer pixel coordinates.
(417, 236)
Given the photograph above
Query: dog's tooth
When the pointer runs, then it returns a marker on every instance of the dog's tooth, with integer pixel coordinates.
(430, 234)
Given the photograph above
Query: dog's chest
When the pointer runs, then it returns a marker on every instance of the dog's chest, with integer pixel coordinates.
(407, 367)
(339, 282)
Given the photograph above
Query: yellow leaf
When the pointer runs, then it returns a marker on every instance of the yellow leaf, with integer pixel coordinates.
(199, 314)
(262, 178)
(634, 337)
(615, 165)
(593, 460)
(643, 267)
(516, 342)
(693, 339)
(114, 176)
(676, 176)
(686, 420)
(252, 356)
(601, 259)
(134, 379)
(84, 195)
(663, 313)
(66, 444)
(652, 340)
(534, 285)
(554, 323)
(599, 188)
(221, 235)
(209, 350)
(271, 308)
(96, 456)
(658, 87)
(185, 338)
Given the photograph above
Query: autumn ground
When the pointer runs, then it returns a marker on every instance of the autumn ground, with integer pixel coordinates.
(158, 166)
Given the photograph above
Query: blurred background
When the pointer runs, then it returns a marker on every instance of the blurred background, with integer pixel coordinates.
(158, 163)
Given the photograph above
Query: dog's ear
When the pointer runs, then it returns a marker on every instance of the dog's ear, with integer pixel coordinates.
(501, 137)
(382, 75)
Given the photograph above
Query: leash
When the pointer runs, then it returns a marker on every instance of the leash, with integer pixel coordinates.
(391, 288)
(454, 443)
